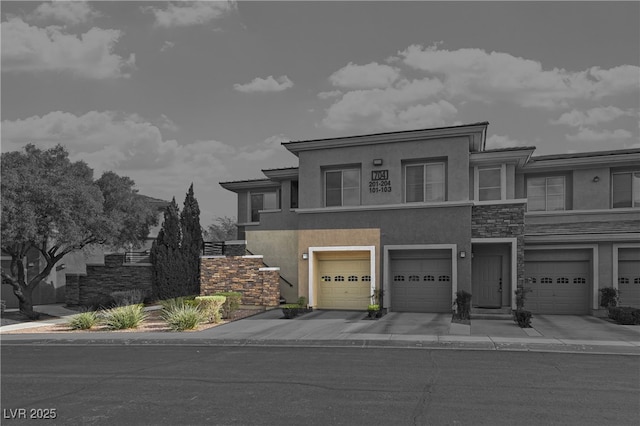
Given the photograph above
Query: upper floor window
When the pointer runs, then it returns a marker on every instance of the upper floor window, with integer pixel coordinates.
(424, 182)
(546, 193)
(626, 189)
(490, 183)
(262, 201)
(342, 187)
(294, 194)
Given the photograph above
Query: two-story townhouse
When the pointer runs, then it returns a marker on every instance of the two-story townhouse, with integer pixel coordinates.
(421, 214)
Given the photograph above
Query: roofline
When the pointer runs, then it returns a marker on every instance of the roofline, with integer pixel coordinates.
(281, 174)
(477, 143)
(587, 154)
(240, 185)
(515, 155)
(619, 157)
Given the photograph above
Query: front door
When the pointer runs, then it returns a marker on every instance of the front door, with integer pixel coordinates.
(487, 281)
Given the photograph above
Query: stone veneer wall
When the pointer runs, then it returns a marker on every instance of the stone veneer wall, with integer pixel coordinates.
(501, 221)
(260, 286)
(102, 280)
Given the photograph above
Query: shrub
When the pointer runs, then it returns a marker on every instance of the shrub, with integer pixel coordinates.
(521, 296)
(625, 315)
(84, 320)
(123, 317)
(179, 302)
(183, 317)
(373, 308)
(302, 302)
(523, 318)
(231, 304)
(608, 297)
(462, 304)
(211, 306)
(128, 297)
(290, 310)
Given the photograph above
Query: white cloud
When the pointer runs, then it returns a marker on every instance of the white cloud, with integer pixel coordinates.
(603, 136)
(369, 76)
(476, 74)
(381, 108)
(592, 117)
(168, 124)
(130, 146)
(67, 12)
(268, 84)
(90, 55)
(330, 94)
(167, 45)
(497, 142)
(182, 14)
(267, 148)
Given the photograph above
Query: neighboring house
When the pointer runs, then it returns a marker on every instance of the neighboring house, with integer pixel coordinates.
(73, 268)
(424, 213)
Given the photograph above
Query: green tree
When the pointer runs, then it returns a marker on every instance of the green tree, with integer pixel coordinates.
(166, 256)
(223, 229)
(53, 206)
(191, 242)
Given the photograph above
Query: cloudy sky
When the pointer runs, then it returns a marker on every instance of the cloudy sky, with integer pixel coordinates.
(170, 93)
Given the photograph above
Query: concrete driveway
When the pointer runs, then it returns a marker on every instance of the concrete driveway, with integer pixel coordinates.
(353, 325)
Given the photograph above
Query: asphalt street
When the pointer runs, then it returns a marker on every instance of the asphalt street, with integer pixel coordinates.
(198, 385)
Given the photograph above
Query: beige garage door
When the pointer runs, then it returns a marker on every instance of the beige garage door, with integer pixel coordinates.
(344, 284)
(421, 281)
(558, 287)
(629, 277)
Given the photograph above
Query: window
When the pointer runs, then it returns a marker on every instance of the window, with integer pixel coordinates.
(626, 189)
(262, 201)
(342, 187)
(424, 182)
(294, 194)
(489, 183)
(352, 278)
(546, 193)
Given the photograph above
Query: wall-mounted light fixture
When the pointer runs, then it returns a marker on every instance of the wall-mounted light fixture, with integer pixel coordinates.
(463, 254)
(305, 256)
(61, 267)
(596, 179)
(377, 162)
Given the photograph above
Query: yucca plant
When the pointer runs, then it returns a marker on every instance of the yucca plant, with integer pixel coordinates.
(182, 317)
(124, 317)
(84, 320)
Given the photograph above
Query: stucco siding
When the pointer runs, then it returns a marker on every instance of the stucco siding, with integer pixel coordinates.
(454, 151)
(279, 249)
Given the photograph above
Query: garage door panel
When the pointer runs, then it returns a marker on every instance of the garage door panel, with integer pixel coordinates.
(344, 284)
(421, 284)
(629, 277)
(558, 287)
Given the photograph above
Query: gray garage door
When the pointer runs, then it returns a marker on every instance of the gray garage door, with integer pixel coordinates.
(421, 281)
(629, 277)
(558, 286)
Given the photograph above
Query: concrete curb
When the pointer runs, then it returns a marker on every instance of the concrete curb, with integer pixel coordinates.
(392, 342)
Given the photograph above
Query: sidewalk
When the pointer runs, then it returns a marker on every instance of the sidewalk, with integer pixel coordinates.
(550, 333)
